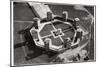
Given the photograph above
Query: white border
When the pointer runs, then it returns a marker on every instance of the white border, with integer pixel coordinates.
(12, 38)
(5, 33)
